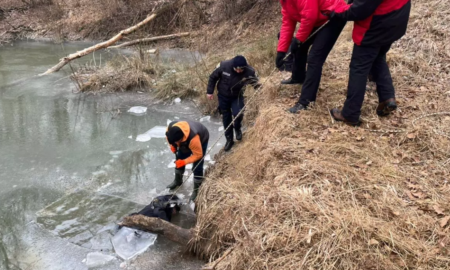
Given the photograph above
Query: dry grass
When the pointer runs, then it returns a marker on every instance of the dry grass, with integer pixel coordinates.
(302, 192)
(121, 74)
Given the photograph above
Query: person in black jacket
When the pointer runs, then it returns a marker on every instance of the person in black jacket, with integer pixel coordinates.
(378, 24)
(231, 77)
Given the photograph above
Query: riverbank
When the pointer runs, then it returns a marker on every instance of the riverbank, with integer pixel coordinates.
(302, 191)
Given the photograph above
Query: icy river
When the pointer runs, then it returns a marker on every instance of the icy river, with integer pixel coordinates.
(71, 165)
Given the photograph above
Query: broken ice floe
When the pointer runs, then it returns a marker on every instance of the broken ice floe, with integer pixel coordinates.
(128, 243)
(143, 137)
(157, 132)
(154, 132)
(97, 259)
(138, 110)
(171, 164)
(115, 153)
(206, 118)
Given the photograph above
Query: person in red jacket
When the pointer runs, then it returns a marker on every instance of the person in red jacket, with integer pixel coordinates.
(311, 14)
(378, 24)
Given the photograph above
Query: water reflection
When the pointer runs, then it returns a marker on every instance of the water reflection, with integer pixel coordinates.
(18, 208)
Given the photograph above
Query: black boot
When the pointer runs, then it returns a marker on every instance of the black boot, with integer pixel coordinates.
(297, 108)
(238, 134)
(197, 184)
(385, 108)
(178, 179)
(228, 145)
(291, 81)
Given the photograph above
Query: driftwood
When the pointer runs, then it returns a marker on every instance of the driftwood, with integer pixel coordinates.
(159, 226)
(107, 43)
(143, 40)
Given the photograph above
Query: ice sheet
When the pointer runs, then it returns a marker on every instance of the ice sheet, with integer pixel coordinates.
(128, 243)
(79, 217)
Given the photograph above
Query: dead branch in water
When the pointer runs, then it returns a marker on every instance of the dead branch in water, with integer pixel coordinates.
(144, 40)
(159, 226)
(109, 42)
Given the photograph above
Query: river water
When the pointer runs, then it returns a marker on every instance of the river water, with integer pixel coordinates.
(70, 166)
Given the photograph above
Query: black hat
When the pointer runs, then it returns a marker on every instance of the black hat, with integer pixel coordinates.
(239, 61)
(174, 134)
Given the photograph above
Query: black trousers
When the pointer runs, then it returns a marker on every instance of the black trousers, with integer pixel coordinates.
(196, 166)
(230, 107)
(365, 60)
(319, 46)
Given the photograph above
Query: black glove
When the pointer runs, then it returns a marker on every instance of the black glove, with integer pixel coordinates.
(279, 61)
(295, 45)
(338, 16)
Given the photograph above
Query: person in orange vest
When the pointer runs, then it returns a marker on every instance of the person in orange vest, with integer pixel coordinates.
(188, 140)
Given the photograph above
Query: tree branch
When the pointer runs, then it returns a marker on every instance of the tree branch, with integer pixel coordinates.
(107, 43)
(159, 226)
(144, 40)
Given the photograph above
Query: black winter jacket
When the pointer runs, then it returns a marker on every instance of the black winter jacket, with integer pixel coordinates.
(229, 82)
(377, 22)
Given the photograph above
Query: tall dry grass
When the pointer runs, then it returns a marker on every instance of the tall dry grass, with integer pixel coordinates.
(121, 74)
(303, 192)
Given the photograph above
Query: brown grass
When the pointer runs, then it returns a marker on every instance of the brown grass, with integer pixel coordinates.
(121, 74)
(302, 192)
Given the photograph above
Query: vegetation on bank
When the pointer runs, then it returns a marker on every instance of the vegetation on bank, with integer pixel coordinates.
(304, 192)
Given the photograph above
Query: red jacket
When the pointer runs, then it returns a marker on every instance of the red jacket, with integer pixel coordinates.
(308, 13)
(377, 22)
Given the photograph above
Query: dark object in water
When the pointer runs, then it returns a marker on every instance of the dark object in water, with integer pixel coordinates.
(161, 207)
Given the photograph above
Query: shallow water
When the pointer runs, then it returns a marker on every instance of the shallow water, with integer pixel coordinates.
(70, 165)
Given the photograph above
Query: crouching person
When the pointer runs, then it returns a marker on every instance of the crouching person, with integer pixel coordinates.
(188, 141)
(231, 77)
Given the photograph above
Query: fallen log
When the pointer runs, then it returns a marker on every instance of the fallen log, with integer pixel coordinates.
(159, 226)
(144, 40)
(105, 44)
